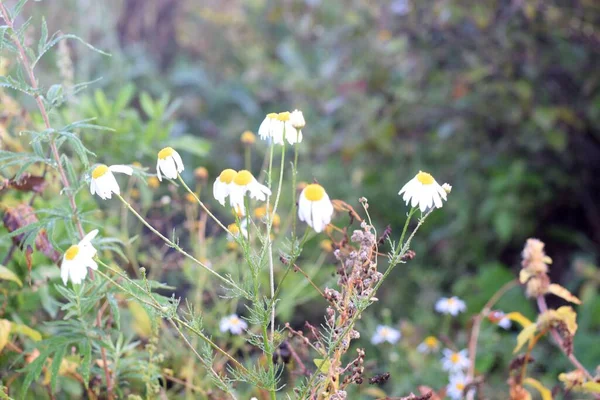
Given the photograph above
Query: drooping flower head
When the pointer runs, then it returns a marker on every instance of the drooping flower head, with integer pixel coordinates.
(169, 163)
(385, 333)
(103, 181)
(314, 207)
(233, 324)
(297, 122)
(452, 306)
(269, 126)
(277, 126)
(245, 183)
(429, 345)
(423, 191)
(455, 361)
(78, 258)
(223, 184)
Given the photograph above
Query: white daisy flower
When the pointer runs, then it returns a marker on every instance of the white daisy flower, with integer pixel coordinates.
(385, 333)
(169, 163)
(244, 182)
(233, 324)
(314, 207)
(457, 385)
(78, 258)
(447, 187)
(499, 318)
(429, 345)
(269, 125)
(223, 184)
(424, 191)
(452, 306)
(297, 121)
(103, 181)
(455, 361)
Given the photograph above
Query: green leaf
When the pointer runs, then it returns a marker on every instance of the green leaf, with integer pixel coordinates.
(57, 38)
(7, 275)
(192, 144)
(86, 362)
(114, 308)
(18, 8)
(56, 362)
(147, 104)
(55, 94)
(123, 98)
(34, 369)
(43, 35)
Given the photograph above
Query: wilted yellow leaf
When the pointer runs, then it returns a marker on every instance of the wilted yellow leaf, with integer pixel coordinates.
(27, 331)
(591, 387)
(572, 379)
(569, 317)
(526, 334)
(4, 332)
(560, 291)
(7, 275)
(544, 392)
(519, 318)
(323, 365)
(141, 321)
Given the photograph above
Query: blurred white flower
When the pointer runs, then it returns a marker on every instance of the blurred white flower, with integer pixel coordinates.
(297, 121)
(233, 324)
(452, 306)
(447, 187)
(455, 361)
(423, 191)
(385, 333)
(499, 318)
(78, 258)
(269, 126)
(400, 7)
(314, 207)
(457, 385)
(244, 182)
(169, 163)
(223, 184)
(429, 345)
(103, 181)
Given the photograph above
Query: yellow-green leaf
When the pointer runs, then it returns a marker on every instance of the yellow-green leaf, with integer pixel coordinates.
(141, 324)
(27, 331)
(323, 365)
(544, 392)
(4, 332)
(7, 275)
(591, 387)
(526, 334)
(519, 318)
(560, 291)
(569, 317)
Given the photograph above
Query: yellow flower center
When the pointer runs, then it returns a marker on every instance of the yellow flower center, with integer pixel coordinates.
(451, 301)
(314, 192)
(248, 137)
(425, 178)
(72, 252)
(166, 152)
(243, 178)
(227, 175)
(431, 341)
(272, 115)
(235, 321)
(99, 171)
(260, 212)
(234, 229)
(455, 358)
(283, 116)
(460, 386)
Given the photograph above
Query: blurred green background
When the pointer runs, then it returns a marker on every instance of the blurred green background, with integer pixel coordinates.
(499, 98)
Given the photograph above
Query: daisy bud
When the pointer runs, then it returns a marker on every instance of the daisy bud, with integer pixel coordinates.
(248, 138)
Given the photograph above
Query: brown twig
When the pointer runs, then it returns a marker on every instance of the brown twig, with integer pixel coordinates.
(477, 326)
(54, 150)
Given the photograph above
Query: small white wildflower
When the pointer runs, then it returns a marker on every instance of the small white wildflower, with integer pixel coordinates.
(457, 385)
(169, 163)
(429, 345)
(455, 361)
(78, 258)
(499, 318)
(423, 191)
(447, 187)
(314, 207)
(271, 127)
(452, 306)
(233, 324)
(103, 181)
(223, 184)
(244, 182)
(297, 121)
(385, 333)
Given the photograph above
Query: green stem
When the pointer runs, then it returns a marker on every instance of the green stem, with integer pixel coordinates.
(206, 210)
(176, 246)
(294, 175)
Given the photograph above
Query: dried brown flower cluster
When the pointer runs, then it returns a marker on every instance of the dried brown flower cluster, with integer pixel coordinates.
(534, 273)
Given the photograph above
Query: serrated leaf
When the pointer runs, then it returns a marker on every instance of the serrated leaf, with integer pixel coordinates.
(57, 38)
(123, 98)
(560, 291)
(34, 369)
(17, 9)
(544, 392)
(7, 275)
(524, 336)
(56, 363)
(4, 332)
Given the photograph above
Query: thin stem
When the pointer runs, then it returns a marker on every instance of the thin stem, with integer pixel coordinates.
(294, 206)
(176, 246)
(477, 326)
(206, 210)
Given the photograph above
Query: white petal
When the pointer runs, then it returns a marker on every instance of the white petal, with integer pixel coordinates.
(64, 271)
(178, 161)
(122, 169)
(158, 170)
(89, 237)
